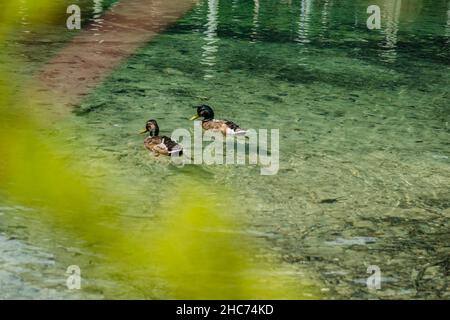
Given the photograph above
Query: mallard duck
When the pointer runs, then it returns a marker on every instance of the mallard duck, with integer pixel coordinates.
(159, 145)
(209, 123)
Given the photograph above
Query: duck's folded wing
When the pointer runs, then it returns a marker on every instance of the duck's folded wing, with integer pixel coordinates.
(171, 145)
(213, 124)
(234, 129)
(152, 141)
(231, 125)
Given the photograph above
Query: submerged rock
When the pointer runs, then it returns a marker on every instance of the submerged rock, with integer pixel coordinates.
(351, 241)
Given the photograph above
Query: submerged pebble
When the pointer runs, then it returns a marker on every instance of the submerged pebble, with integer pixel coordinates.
(352, 241)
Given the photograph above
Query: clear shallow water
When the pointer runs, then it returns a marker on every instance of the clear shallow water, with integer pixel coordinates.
(363, 118)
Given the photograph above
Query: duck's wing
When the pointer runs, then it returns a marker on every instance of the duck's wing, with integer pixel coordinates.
(213, 125)
(171, 146)
(233, 129)
(225, 126)
(151, 142)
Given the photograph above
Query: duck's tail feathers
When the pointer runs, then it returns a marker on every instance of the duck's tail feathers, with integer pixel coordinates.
(237, 132)
(176, 150)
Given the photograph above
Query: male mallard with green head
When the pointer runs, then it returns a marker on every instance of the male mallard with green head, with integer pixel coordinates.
(209, 123)
(160, 145)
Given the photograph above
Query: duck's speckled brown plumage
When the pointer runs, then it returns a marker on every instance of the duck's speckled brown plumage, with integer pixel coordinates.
(160, 144)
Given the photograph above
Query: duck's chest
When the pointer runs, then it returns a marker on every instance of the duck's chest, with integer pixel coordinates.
(214, 125)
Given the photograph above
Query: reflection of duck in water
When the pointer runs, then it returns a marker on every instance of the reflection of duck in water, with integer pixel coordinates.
(209, 123)
(160, 145)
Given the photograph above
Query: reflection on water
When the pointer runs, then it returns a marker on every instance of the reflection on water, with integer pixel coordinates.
(211, 39)
(304, 22)
(197, 15)
(23, 14)
(254, 34)
(392, 11)
(97, 9)
(324, 19)
(96, 20)
(447, 28)
(234, 11)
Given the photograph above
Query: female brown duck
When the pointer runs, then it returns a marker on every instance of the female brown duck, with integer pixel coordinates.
(160, 145)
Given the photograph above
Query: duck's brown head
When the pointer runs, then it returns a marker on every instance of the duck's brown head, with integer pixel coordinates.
(151, 127)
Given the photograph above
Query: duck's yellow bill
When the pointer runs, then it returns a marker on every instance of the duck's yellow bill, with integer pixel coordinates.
(143, 131)
(194, 117)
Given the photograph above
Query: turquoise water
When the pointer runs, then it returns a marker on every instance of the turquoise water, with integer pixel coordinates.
(364, 135)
